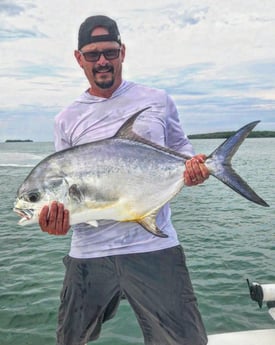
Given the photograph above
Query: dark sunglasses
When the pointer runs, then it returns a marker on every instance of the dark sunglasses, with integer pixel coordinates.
(93, 56)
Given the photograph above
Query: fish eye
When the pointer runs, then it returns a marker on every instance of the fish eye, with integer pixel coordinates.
(33, 196)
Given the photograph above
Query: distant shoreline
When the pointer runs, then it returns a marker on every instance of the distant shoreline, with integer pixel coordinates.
(18, 141)
(215, 135)
(225, 135)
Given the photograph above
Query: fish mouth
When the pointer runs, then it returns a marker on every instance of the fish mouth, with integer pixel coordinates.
(25, 214)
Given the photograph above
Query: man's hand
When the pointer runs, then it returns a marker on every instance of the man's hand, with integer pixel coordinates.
(196, 172)
(54, 220)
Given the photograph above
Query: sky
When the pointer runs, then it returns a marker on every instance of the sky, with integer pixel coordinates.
(216, 58)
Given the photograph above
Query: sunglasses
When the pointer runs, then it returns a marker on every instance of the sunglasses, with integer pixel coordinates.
(93, 56)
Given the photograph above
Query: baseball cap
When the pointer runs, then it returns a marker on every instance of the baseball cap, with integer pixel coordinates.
(90, 23)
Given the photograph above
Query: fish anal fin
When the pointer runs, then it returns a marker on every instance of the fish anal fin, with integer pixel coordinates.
(149, 224)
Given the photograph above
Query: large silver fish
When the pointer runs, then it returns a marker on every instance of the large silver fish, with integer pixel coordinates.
(123, 178)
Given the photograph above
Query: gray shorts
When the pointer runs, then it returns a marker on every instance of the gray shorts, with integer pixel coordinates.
(156, 284)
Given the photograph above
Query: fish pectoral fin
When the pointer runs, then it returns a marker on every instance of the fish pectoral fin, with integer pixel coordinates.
(75, 193)
(93, 223)
(149, 224)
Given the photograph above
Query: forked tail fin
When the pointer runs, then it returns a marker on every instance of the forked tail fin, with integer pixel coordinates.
(219, 165)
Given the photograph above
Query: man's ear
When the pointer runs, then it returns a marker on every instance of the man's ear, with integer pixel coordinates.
(78, 57)
(123, 52)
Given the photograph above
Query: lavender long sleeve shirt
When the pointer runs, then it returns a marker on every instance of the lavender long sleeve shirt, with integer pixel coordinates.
(90, 118)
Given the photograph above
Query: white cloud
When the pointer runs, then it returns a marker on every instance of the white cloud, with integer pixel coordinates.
(216, 53)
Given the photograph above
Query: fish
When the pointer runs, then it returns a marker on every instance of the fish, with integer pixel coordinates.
(124, 178)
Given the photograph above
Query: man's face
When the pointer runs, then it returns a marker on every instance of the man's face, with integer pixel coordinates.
(106, 72)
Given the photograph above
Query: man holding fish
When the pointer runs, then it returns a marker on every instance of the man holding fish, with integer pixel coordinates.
(115, 260)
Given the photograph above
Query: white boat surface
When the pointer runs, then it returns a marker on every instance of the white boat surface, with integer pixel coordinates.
(256, 337)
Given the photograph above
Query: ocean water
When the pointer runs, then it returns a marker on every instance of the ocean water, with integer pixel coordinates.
(226, 239)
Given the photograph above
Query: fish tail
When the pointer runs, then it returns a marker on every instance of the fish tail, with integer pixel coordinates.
(219, 165)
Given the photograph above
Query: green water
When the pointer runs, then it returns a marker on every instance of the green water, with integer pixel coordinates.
(226, 239)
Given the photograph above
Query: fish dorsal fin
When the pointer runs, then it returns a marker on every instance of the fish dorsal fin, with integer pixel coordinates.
(126, 132)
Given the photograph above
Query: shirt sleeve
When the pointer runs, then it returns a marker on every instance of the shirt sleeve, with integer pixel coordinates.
(176, 139)
(60, 139)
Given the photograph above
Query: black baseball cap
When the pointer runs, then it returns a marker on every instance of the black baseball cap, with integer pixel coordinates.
(90, 23)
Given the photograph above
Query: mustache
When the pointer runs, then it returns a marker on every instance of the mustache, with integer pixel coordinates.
(106, 68)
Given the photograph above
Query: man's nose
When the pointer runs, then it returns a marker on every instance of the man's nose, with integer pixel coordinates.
(102, 60)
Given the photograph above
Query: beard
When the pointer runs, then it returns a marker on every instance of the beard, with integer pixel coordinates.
(104, 81)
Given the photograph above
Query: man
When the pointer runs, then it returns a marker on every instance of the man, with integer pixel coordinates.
(121, 260)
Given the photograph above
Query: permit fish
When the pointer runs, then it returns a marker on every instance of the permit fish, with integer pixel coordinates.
(125, 178)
